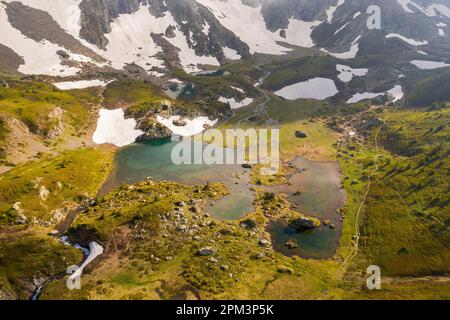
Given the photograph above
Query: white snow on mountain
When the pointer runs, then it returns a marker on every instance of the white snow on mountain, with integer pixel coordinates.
(129, 32)
(113, 128)
(249, 25)
(82, 84)
(39, 57)
(341, 28)
(238, 89)
(66, 13)
(231, 54)
(234, 104)
(436, 9)
(429, 65)
(188, 58)
(346, 73)
(299, 33)
(192, 127)
(363, 96)
(130, 41)
(407, 40)
(405, 5)
(350, 54)
(331, 11)
(432, 10)
(317, 88)
(206, 28)
(396, 93)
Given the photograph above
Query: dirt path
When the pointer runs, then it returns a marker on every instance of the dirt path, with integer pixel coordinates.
(357, 235)
(261, 109)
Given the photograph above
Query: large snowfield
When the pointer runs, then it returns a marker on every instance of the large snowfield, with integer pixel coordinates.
(429, 65)
(317, 88)
(113, 128)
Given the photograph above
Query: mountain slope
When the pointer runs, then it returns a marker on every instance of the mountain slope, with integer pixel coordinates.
(76, 34)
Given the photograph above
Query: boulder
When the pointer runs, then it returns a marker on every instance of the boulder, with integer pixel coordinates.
(63, 54)
(284, 269)
(206, 251)
(248, 224)
(300, 134)
(170, 32)
(179, 123)
(292, 244)
(264, 243)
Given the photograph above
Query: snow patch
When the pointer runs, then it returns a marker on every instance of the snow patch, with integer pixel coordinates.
(407, 40)
(231, 54)
(237, 89)
(206, 28)
(82, 84)
(346, 73)
(94, 251)
(235, 104)
(332, 10)
(404, 4)
(192, 127)
(429, 65)
(113, 128)
(396, 93)
(341, 28)
(299, 33)
(363, 96)
(317, 88)
(435, 9)
(350, 54)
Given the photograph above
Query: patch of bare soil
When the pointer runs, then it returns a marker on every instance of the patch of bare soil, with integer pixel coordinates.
(22, 145)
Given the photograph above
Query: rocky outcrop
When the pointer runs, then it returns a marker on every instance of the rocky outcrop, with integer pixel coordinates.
(97, 15)
(153, 130)
(189, 15)
(9, 60)
(302, 222)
